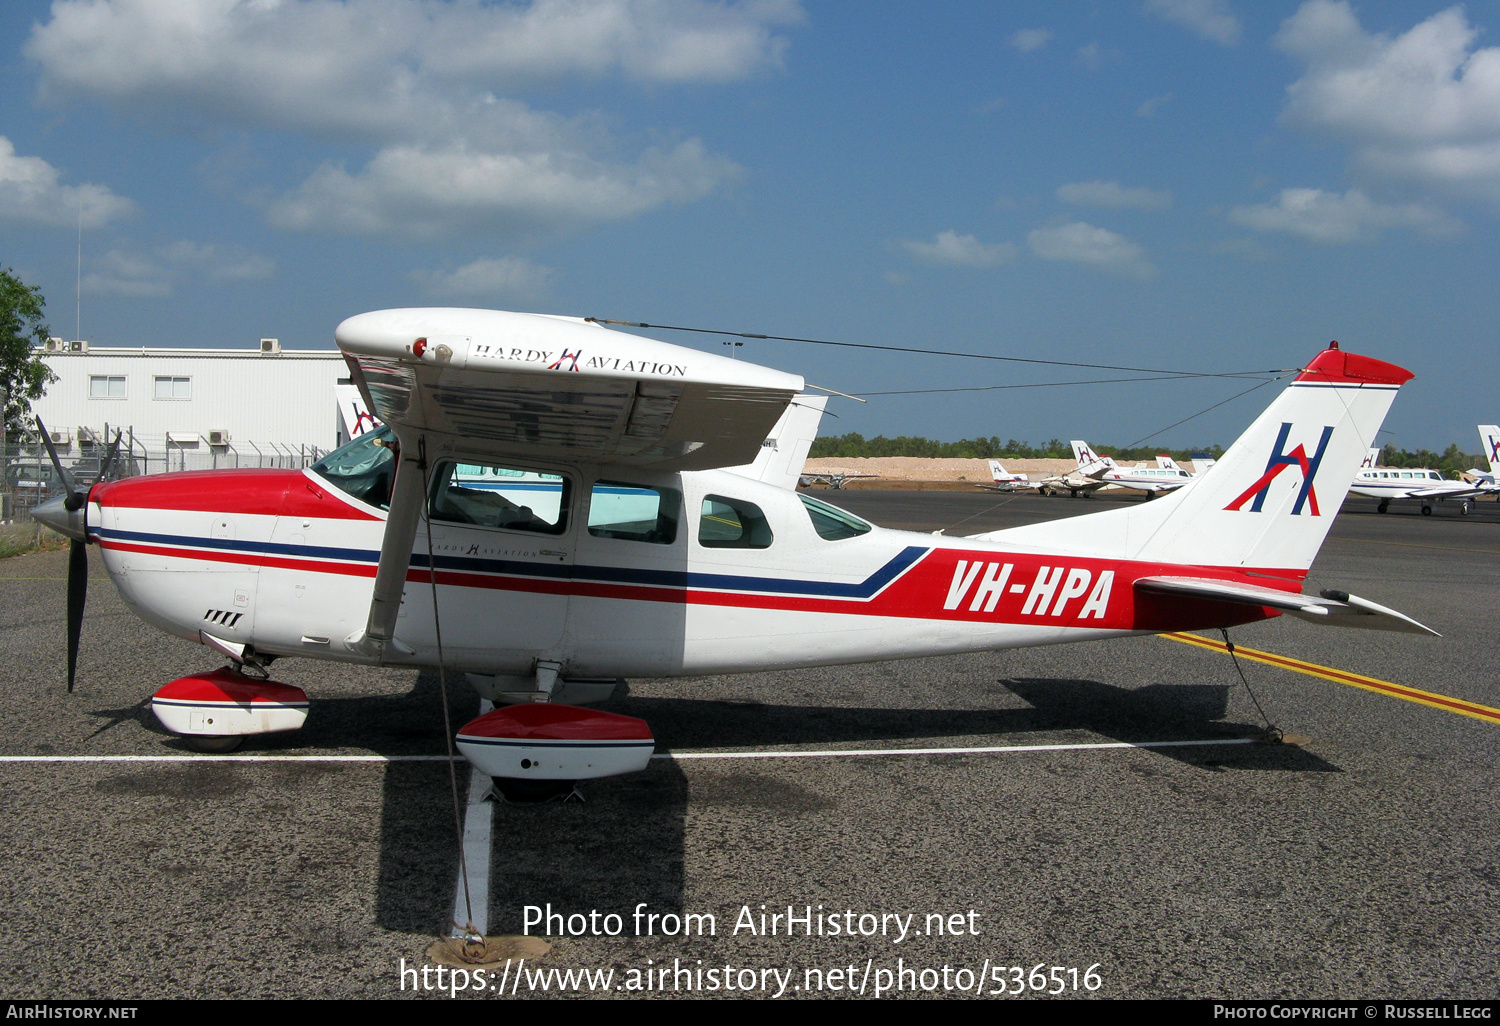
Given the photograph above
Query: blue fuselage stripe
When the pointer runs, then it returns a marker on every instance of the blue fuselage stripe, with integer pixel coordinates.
(679, 579)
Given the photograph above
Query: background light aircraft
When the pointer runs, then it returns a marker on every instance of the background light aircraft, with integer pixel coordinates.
(1420, 483)
(663, 538)
(834, 480)
(1004, 480)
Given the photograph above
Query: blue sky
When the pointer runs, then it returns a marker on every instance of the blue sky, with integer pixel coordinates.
(1207, 185)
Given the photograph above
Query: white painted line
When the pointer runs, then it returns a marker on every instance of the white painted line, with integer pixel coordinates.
(993, 750)
(678, 756)
(478, 818)
(226, 758)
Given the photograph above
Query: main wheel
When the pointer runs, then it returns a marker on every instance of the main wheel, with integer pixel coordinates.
(215, 745)
(1385, 504)
(1427, 511)
(532, 792)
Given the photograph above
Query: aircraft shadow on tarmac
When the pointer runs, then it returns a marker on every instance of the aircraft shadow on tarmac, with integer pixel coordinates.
(625, 843)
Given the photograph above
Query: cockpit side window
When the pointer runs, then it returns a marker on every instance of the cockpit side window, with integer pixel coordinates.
(732, 524)
(364, 467)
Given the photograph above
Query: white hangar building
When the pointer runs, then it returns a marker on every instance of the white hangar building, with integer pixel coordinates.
(239, 404)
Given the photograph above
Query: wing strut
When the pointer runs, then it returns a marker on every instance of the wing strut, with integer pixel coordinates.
(408, 494)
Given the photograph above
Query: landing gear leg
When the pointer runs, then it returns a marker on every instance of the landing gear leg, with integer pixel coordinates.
(1385, 504)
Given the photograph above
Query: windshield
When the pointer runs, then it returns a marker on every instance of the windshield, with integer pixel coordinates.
(363, 468)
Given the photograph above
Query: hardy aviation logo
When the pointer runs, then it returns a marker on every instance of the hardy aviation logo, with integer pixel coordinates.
(1281, 460)
(1494, 443)
(570, 358)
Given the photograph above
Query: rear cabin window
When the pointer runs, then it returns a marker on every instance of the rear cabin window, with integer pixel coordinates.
(634, 512)
(832, 523)
(493, 496)
(732, 524)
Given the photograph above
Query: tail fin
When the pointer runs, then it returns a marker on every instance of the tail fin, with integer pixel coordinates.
(1166, 462)
(1202, 463)
(1270, 500)
(1003, 476)
(785, 449)
(1489, 439)
(1090, 463)
(1372, 459)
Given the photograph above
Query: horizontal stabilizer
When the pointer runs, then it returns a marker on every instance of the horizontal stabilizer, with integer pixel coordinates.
(1332, 608)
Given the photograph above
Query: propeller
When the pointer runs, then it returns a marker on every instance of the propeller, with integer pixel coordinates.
(63, 515)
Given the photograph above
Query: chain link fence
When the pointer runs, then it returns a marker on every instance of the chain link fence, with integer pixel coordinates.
(27, 477)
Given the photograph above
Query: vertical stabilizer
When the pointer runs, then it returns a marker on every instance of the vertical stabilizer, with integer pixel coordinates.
(1489, 445)
(785, 449)
(1271, 498)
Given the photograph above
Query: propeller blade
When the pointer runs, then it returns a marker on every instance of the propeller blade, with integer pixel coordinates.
(78, 586)
(109, 460)
(75, 498)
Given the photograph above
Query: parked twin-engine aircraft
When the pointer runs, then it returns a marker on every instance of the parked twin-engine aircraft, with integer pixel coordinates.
(634, 549)
(1425, 485)
(1166, 476)
(1004, 480)
(1083, 479)
(1094, 472)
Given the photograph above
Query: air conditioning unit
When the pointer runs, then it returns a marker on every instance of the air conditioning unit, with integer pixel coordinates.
(78, 345)
(183, 439)
(218, 436)
(270, 346)
(60, 436)
(86, 435)
(55, 345)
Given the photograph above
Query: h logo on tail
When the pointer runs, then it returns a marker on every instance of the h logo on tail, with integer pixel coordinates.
(1280, 461)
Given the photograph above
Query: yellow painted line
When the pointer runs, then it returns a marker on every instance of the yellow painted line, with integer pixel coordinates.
(1359, 680)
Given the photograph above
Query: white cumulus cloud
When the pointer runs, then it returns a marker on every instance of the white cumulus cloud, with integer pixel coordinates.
(1083, 243)
(29, 191)
(415, 78)
(429, 192)
(1210, 19)
(1114, 196)
(1422, 106)
(1331, 218)
(951, 249)
(1027, 40)
(487, 276)
(154, 274)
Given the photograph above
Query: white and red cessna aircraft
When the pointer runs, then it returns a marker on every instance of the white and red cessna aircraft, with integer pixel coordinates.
(657, 535)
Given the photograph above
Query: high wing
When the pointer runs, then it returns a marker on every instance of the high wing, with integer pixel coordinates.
(540, 387)
(1336, 608)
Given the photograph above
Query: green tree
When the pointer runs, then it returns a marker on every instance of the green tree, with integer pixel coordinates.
(23, 375)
